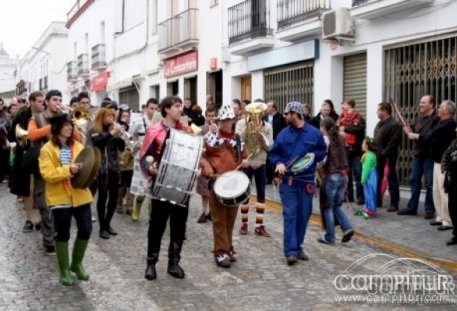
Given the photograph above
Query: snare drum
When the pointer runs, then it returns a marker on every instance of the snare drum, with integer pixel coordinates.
(232, 188)
(178, 168)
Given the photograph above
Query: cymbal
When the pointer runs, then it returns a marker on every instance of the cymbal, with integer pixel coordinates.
(95, 167)
(86, 157)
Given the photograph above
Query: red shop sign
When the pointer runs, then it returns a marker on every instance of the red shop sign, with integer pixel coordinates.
(99, 82)
(181, 64)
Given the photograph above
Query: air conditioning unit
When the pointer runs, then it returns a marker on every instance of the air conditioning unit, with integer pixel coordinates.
(338, 24)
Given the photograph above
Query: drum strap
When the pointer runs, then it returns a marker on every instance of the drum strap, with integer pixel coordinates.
(238, 147)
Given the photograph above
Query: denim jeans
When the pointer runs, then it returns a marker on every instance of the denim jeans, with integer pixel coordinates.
(355, 167)
(334, 192)
(421, 166)
(297, 208)
(62, 222)
(260, 180)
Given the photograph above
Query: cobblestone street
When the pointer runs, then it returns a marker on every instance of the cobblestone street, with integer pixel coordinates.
(260, 280)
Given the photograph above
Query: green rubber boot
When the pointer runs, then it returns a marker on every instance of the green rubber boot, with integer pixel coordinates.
(62, 259)
(79, 250)
(137, 209)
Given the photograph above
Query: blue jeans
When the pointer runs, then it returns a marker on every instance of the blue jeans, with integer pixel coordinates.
(62, 222)
(260, 180)
(355, 167)
(334, 192)
(297, 208)
(421, 166)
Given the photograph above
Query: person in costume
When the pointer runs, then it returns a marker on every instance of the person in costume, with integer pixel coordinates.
(224, 151)
(297, 140)
(258, 136)
(154, 146)
(57, 166)
(369, 177)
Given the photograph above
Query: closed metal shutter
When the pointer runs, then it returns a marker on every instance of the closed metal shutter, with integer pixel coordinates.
(290, 83)
(130, 96)
(412, 70)
(355, 81)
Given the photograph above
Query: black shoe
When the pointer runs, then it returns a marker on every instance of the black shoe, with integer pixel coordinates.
(436, 223)
(406, 211)
(175, 270)
(150, 273)
(111, 231)
(347, 236)
(452, 241)
(360, 201)
(323, 241)
(28, 227)
(209, 217)
(38, 226)
(429, 215)
(104, 234)
(291, 260)
(392, 209)
(49, 250)
(302, 256)
(202, 218)
(444, 228)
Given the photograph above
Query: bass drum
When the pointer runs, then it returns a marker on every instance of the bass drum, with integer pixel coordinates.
(179, 168)
(232, 188)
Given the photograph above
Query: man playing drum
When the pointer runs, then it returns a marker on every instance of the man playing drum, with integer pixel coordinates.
(153, 146)
(224, 151)
(296, 141)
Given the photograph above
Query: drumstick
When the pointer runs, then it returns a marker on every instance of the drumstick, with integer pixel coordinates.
(394, 104)
(239, 166)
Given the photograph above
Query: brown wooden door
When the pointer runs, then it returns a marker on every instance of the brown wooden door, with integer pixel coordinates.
(246, 88)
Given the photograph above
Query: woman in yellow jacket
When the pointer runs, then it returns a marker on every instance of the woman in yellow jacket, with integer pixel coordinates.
(57, 167)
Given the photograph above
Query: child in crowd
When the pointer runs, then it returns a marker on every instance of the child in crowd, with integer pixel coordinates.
(369, 177)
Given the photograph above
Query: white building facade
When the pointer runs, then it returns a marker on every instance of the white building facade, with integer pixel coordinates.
(44, 65)
(8, 68)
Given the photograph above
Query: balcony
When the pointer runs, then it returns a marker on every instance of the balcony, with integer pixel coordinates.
(83, 65)
(179, 32)
(298, 19)
(72, 71)
(98, 59)
(368, 9)
(249, 27)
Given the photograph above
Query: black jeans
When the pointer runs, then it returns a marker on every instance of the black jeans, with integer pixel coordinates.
(355, 167)
(62, 222)
(161, 210)
(107, 191)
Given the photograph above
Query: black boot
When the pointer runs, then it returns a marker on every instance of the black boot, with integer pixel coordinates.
(174, 256)
(150, 273)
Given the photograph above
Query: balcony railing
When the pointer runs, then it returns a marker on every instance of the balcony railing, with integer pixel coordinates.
(295, 11)
(72, 71)
(179, 29)
(247, 20)
(98, 58)
(83, 64)
(359, 2)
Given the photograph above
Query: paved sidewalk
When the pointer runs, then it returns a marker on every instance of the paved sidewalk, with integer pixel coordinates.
(409, 232)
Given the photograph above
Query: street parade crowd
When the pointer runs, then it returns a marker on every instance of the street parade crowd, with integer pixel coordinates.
(58, 157)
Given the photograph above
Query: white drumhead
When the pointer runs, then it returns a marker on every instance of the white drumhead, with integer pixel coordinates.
(231, 184)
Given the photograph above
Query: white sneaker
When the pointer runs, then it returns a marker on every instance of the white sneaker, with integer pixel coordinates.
(94, 219)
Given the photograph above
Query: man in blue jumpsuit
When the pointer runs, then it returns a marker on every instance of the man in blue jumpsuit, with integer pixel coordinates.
(296, 188)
